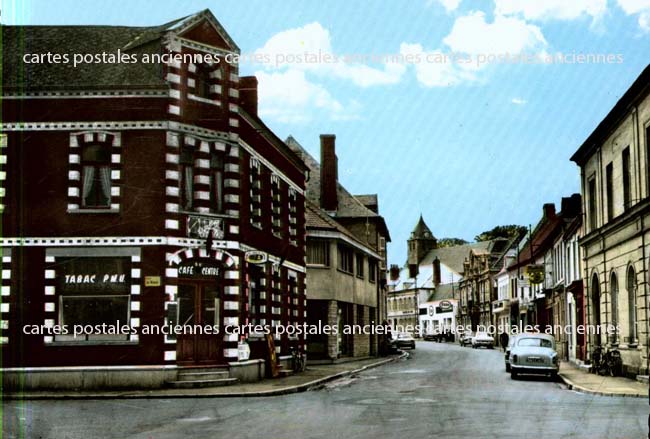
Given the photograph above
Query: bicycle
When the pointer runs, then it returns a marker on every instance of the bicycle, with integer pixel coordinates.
(596, 360)
(298, 360)
(612, 363)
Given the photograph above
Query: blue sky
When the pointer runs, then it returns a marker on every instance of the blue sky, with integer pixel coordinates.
(469, 145)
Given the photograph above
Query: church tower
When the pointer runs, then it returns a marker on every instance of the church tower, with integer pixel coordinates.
(420, 243)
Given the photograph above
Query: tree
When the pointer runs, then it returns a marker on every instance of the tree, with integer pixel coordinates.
(509, 231)
(450, 242)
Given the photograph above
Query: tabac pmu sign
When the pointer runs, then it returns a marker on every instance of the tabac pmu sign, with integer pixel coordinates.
(535, 274)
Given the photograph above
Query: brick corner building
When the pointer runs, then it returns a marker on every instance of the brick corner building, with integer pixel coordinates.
(133, 193)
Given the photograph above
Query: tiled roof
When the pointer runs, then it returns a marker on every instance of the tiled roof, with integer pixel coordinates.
(317, 219)
(20, 40)
(444, 291)
(453, 257)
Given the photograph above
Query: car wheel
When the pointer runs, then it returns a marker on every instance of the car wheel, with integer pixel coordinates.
(507, 367)
(513, 374)
(553, 376)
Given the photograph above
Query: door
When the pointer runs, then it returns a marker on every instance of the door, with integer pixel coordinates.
(199, 309)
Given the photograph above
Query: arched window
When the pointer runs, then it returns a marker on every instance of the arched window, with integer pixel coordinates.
(96, 179)
(631, 304)
(595, 306)
(613, 288)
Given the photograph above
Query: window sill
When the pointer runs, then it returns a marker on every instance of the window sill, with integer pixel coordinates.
(349, 273)
(207, 214)
(194, 97)
(318, 266)
(75, 211)
(93, 343)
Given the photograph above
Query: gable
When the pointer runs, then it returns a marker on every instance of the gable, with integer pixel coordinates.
(209, 33)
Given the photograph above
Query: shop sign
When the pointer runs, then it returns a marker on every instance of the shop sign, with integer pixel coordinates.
(446, 306)
(535, 274)
(201, 227)
(152, 281)
(255, 257)
(93, 274)
(199, 269)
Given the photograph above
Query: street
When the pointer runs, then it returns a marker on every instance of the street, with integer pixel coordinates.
(442, 390)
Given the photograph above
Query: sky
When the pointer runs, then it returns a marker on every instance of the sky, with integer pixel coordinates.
(464, 111)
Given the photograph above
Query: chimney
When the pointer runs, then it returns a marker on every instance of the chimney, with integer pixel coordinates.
(328, 173)
(394, 272)
(436, 272)
(549, 210)
(248, 94)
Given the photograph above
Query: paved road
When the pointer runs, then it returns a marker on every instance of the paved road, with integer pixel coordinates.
(443, 390)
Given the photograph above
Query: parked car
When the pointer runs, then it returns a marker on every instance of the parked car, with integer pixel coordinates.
(432, 335)
(465, 339)
(511, 343)
(405, 340)
(534, 354)
(482, 339)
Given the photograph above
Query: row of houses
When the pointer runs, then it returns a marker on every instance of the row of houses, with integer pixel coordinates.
(582, 272)
(153, 198)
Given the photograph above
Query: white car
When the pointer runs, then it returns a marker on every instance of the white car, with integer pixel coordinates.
(483, 339)
(534, 354)
(465, 338)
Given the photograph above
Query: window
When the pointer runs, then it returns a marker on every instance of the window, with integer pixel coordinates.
(203, 81)
(631, 304)
(614, 297)
(609, 184)
(345, 257)
(96, 178)
(360, 260)
(627, 196)
(592, 203)
(93, 291)
(318, 252)
(372, 270)
(255, 193)
(216, 182)
(293, 216)
(187, 177)
(257, 296)
(276, 206)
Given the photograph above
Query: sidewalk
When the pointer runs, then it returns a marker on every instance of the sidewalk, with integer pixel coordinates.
(313, 377)
(583, 381)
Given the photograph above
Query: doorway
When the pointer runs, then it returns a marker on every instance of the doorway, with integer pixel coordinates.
(199, 306)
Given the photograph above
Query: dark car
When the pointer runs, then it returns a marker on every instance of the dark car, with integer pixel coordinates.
(405, 340)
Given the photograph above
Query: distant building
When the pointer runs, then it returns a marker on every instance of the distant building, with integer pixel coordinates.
(346, 250)
(615, 179)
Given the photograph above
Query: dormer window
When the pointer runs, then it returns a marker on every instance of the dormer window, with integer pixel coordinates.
(96, 176)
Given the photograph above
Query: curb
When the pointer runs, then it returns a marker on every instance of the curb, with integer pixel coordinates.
(154, 394)
(573, 386)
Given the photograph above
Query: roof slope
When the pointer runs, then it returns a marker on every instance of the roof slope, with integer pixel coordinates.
(18, 41)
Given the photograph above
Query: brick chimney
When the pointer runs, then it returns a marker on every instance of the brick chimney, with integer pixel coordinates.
(329, 175)
(549, 210)
(248, 94)
(394, 272)
(436, 272)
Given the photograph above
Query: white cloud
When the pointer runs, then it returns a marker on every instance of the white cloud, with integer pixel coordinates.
(309, 48)
(519, 101)
(449, 5)
(552, 9)
(289, 97)
(634, 6)
(434, 68)
(471, 34)
(641, 7)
